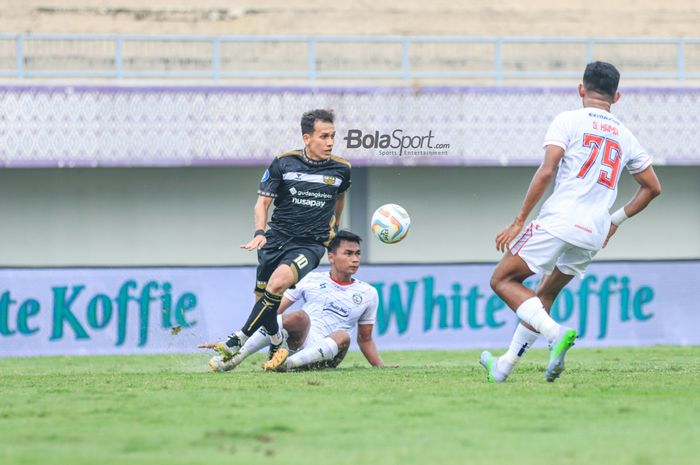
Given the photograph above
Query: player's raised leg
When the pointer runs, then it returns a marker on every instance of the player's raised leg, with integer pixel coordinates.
(525, 336)
(507, 282)
(263, 314)
(551, 285)
(297, 262)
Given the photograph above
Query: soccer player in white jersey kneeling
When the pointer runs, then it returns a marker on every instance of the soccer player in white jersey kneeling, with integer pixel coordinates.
(585, 150)
(333, 304)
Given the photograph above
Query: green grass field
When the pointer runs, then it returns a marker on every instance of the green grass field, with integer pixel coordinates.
(636, 406)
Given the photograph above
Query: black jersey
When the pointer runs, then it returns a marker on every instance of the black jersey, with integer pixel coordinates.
(305, 193)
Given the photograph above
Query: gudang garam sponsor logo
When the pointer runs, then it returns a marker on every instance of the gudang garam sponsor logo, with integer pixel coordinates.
(315, 195)
(313, 201)
(475, 309)
(76, 313)
(396, 143)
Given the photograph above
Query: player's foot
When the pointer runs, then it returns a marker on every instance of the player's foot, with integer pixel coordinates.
(557, 352)
(490, 364)
(229, 347)
(275, 347)
(277, 361)
(218, 363)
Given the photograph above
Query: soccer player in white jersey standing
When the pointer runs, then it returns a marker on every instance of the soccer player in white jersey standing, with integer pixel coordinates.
(333, 304)
(585, 151)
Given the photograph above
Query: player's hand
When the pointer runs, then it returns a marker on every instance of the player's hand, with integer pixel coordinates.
(256, 243)
(613, 230)
(508, 234)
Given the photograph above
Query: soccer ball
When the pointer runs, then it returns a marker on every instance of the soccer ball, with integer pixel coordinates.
(390, 223)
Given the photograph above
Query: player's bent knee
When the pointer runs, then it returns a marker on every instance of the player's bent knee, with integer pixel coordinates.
(512, 269)
(296, 321)
(282, 279)
(342, 338)
(499, 277)
(495, 283)
(498, 282)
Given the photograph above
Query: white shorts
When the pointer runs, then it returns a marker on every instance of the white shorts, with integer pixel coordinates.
(542, 252)
(313, 337)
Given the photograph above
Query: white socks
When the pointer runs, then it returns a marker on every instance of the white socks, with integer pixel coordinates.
(533, 313)
(523, 340)
(255, 342)
(276, 339)
(241, 336)
(326, 349)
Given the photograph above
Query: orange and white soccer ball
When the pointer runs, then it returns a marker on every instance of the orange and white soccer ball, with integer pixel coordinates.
(390, 223)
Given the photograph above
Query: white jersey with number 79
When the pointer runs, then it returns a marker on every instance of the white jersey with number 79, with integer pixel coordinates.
(596, 147)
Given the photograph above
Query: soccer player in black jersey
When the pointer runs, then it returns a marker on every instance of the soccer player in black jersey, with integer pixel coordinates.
(308, 188)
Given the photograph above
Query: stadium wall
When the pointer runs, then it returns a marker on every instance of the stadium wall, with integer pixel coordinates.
(199, 216)
(127, 126)
(184, 163)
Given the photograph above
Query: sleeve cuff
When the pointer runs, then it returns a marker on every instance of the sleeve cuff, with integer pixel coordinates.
(553, 142)
(646, 165)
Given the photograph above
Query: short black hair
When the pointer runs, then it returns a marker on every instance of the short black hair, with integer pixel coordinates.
(308, 120)
(601, 77)
(343, 235)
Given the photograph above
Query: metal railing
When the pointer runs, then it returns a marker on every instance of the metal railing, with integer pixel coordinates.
(340, 57)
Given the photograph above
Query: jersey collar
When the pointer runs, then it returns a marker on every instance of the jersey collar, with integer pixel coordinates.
(312, 162)
(342, 283)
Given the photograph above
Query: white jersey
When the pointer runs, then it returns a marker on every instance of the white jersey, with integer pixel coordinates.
(333, 306)
(596, 147)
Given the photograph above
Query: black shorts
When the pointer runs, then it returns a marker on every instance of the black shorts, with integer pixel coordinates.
(302, 255)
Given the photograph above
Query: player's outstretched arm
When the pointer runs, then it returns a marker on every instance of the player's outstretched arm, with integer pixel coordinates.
(540, 181)
(262, 206)
(368, 348)
(649, 187)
